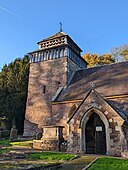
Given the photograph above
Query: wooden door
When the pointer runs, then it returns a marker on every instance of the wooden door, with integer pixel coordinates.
(95, 136)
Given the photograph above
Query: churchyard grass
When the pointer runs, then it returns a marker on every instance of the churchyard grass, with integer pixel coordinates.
(5, 150)
(22, 143)
(110, 164)
(51, 156)
(102, 163)
(6, 143)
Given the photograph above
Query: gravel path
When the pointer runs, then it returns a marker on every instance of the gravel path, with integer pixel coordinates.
(77, 164)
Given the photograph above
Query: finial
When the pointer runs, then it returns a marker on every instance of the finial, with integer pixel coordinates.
(61, 27)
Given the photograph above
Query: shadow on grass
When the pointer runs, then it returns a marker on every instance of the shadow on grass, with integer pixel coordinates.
(5, 143)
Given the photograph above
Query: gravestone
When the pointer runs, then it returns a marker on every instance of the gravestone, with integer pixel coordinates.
(13, 134)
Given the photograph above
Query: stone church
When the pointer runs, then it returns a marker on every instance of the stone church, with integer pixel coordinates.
(79, 109)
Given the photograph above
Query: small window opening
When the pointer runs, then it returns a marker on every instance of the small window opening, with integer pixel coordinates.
(44, 89)
(58, 84)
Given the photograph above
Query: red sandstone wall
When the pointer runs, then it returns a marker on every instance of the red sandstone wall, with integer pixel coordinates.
(60, 116)
(114, 120)
(71, 68)
(48, 74)
(52, 74)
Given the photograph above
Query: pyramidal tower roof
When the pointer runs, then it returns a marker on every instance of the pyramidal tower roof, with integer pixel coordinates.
(58, 39)
(57, 46)
(57, 35)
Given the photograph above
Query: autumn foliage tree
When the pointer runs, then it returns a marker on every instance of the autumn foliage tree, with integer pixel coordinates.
(95, 60)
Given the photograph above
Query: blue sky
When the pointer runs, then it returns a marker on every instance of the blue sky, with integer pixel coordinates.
(95, 25)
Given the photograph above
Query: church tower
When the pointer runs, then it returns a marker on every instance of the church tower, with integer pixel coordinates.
(51, 68)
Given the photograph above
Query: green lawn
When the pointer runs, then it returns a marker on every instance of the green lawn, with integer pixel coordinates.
(5, 150)
(104, 163)
(22, 143)
(110, 164)
(7, 143)
(51, 156)
(4, 143)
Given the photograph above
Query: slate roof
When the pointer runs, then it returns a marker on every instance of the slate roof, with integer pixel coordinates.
(119, 109)
(109, 80)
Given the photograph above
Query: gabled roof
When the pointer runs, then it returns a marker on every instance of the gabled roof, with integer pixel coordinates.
(109, 80)
(93, 92)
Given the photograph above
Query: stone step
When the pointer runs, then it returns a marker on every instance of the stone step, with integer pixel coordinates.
(11, 156)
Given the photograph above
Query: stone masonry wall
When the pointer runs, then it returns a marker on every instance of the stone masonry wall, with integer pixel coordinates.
(71, 68)
(60, 116)
(114, 131)
(44, 80)
(121, 104)
(72, 131)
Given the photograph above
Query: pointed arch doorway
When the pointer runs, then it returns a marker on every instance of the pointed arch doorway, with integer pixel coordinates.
(95, 132)
(95, 135)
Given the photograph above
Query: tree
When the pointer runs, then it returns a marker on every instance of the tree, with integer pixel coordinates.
(95, 60)
(91, 59)
(105, 59)
(13, 91)
(120, 53)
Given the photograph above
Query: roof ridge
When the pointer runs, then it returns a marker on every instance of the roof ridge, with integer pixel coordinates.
(105, 65)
